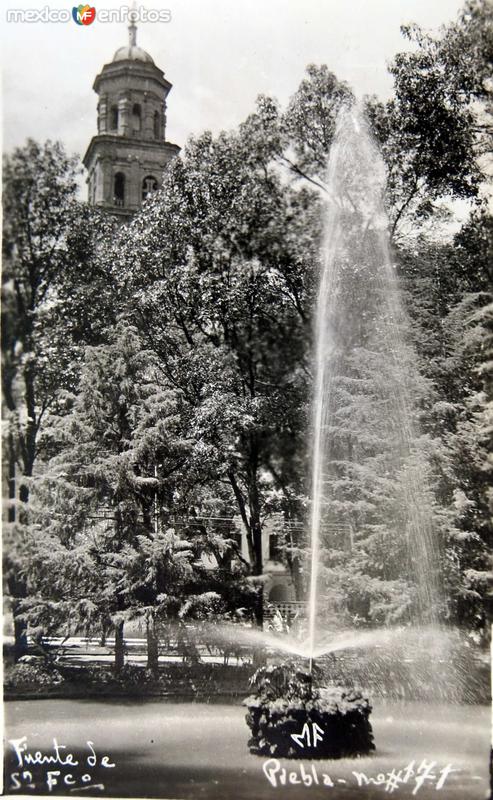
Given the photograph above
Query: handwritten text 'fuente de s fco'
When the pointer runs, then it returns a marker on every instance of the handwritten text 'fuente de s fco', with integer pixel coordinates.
(415, 774)
(58, 767)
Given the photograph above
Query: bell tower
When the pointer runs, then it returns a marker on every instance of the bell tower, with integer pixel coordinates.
(126, 159)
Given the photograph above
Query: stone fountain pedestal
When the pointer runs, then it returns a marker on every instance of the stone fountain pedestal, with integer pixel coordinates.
(291, 717)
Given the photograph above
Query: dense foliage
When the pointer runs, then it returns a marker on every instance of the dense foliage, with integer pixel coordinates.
(157, 377)
(326, 722)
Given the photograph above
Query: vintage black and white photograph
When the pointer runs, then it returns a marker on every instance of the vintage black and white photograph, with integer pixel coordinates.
(247, 375)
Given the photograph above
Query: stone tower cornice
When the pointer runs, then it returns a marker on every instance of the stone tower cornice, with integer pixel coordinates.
(131, 70)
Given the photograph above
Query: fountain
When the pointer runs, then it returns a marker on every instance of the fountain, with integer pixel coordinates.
(361, 340)
(290, 716)
(359, 316)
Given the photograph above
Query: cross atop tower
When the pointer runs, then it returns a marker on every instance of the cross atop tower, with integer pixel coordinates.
(132, 28)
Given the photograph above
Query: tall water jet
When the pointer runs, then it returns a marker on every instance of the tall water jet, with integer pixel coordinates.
(361, 339)
(365, 435)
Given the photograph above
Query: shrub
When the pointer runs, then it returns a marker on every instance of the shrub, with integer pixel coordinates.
(32, 675)
(101, 675)
(287, 703)
(133, 675)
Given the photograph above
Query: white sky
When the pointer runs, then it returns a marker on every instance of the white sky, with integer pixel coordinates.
(219, 54)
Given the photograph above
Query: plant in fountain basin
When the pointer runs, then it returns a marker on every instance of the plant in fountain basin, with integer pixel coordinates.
(291, 717)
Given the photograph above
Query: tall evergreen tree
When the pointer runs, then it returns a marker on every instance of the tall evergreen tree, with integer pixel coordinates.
(48, 244)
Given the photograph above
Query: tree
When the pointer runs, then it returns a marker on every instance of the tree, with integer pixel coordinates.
(448, 291)
(219, 297)
(309, 122)
(48, 242)
(104, 510)
(197, 399)
(436, 132)
(98, 465)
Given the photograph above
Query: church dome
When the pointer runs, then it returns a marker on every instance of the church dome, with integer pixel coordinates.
(131, 52)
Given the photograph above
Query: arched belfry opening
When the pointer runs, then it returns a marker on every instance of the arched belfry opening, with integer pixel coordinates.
(119, 189)
(129, 153)
(114, 118)
(137, 118)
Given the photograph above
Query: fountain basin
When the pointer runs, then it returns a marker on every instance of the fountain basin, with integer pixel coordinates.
(291, 717)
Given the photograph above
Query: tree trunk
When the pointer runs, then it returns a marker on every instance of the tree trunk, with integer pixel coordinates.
(20, 633)
(244, 516)
(119, 647)
(258, 565)
(259, 655)
(297, 576)
(104, 631)
(152, 647)
(18, 592)
(295, 563)
(17, 588)
(12, 478)
(28, 444)
(258, 609)
(20, 625)
(253, 528)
